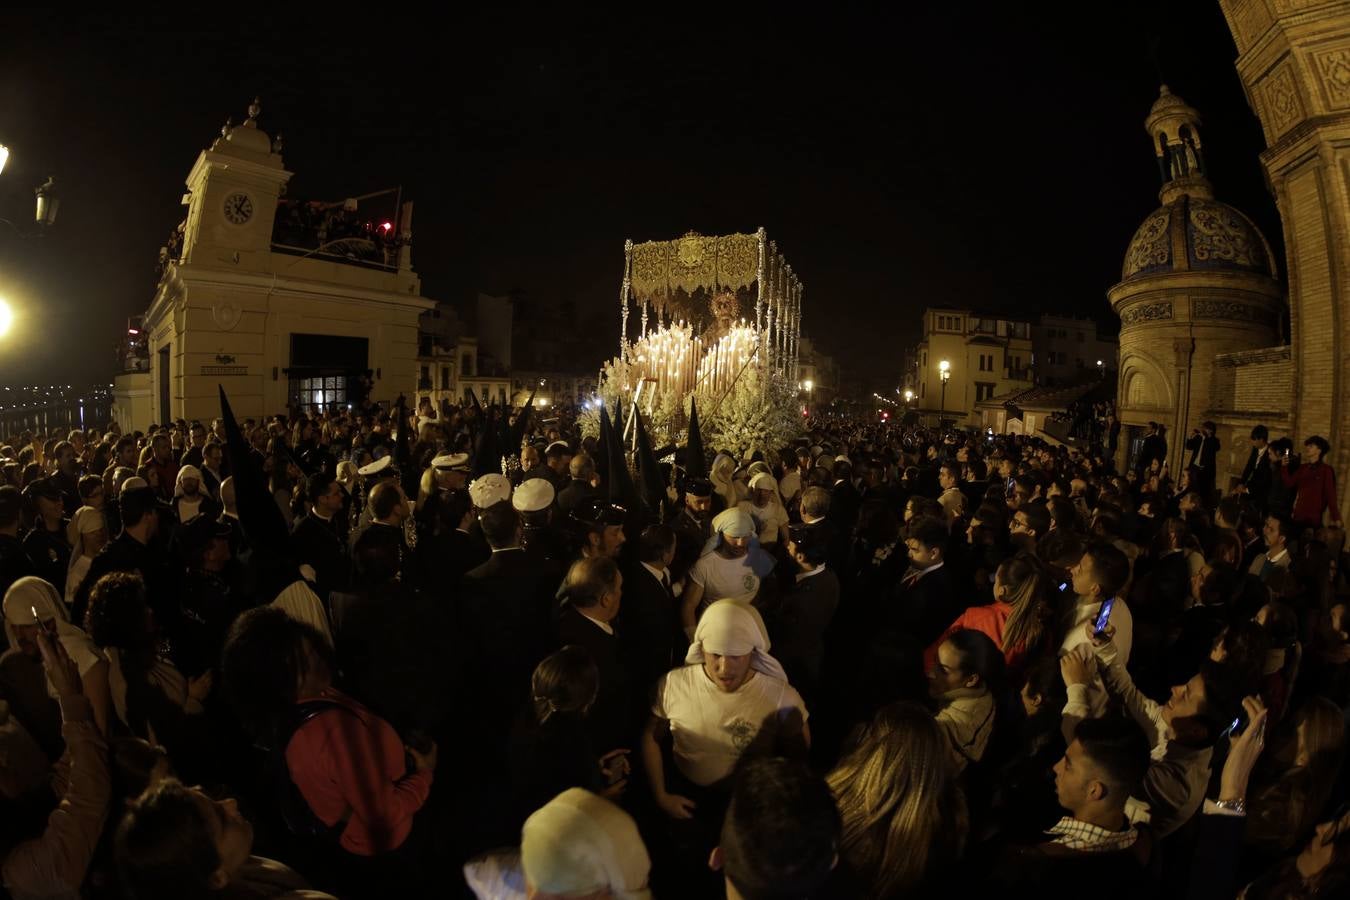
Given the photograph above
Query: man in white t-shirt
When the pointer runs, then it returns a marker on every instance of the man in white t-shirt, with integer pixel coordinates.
(717, 705)
(1101, 573)
(732, 570)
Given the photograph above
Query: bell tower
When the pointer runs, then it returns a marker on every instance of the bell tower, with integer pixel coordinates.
(1174, 128)
(233, 190)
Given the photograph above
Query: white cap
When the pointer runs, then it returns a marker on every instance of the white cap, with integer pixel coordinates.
(452, 461)
(844, 459)
(376, 467)
(485, 490)
(533, 495)
(562, 444)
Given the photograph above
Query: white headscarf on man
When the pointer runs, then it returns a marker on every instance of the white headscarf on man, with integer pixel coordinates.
(579, 843)
(32, 593)
(729, 628)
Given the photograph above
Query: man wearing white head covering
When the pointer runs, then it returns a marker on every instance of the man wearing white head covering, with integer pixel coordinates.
(766, 508)
(87, 533)
(732, 567)
(189, 500)
(577, 845)
(716, 705)
(25, 597)
(725, 486)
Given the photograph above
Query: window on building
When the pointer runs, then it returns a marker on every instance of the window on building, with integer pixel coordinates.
(465, 365)
(923, 389)
(426, 373)
(321, 392)
(445, 378)
(984, 390)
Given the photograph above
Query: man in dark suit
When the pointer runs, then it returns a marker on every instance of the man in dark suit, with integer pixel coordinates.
(924, 603)
(1256, 474)
(651, 638)
(1204, 447)
(506, 619)
(579, 491)
(798, 622)
(315, 540)
(693, 526)
(844, 499)
(593, 590)
(1153, 447)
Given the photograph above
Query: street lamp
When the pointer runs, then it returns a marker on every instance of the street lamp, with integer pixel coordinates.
(1101, 368)
(48, 202)
(945, 373)
(909, 396)
(808, 384)
(4, 156)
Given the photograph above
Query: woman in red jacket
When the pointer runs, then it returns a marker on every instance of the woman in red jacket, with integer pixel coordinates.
(1017, 621)
(1314, 483)
(353, 771)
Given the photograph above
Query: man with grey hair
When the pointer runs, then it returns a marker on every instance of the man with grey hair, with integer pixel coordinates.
(581, 490)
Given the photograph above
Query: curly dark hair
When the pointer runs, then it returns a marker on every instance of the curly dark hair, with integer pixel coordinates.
(117, 614)
(263, 662)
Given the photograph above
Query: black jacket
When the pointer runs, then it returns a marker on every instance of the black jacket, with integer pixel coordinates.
(1256, 476)
(50, 555)
(317, 543)
(506, 624)
(126, 554)
(575, 494)
(612, 721)
(650, 636)
(797, 625)
(924, 609)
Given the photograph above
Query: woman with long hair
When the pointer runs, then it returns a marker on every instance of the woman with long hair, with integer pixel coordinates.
(1282, 812)
(904, 816)
(1018, 621)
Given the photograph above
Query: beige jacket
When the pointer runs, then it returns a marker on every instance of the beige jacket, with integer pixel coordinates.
(967, 719)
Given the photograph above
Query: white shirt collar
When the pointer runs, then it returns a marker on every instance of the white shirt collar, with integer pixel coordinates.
(802, 576)
(811, 520)
(933, 568)
(1284, 551)
(503, 549)
(603, 626)
(658, 574)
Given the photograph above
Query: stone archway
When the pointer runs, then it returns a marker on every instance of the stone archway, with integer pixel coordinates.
(1294, 62)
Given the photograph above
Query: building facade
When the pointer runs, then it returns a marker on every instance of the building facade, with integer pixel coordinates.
(1198, 282)
(985, 356)
(1069, 350)
(1294, 62)
(286, 305)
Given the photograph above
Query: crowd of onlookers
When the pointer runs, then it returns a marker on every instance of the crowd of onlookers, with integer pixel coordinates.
(354, 654)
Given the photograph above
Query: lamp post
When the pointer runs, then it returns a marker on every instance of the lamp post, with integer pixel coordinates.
(944, 373)
(909, 397)
(1101, 368)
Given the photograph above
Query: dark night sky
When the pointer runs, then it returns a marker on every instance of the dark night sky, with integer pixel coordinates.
(899, 158)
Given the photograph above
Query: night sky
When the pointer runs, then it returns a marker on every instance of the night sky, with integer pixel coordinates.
(900, 158)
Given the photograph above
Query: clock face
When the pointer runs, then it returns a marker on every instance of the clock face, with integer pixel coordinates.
(238, 208)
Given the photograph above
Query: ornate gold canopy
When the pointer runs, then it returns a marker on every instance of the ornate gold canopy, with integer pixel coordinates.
(692, 263)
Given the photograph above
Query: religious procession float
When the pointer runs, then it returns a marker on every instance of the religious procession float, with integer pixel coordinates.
(713, 321)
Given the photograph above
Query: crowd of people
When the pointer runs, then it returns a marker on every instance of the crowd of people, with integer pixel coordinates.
(466, 652)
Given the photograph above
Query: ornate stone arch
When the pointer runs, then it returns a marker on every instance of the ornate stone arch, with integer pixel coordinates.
(1143, 383)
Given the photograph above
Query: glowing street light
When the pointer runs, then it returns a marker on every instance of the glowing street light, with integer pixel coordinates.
(909, 396)
(4, 156)
(945, 373)
(808, 384)
(6, 317)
